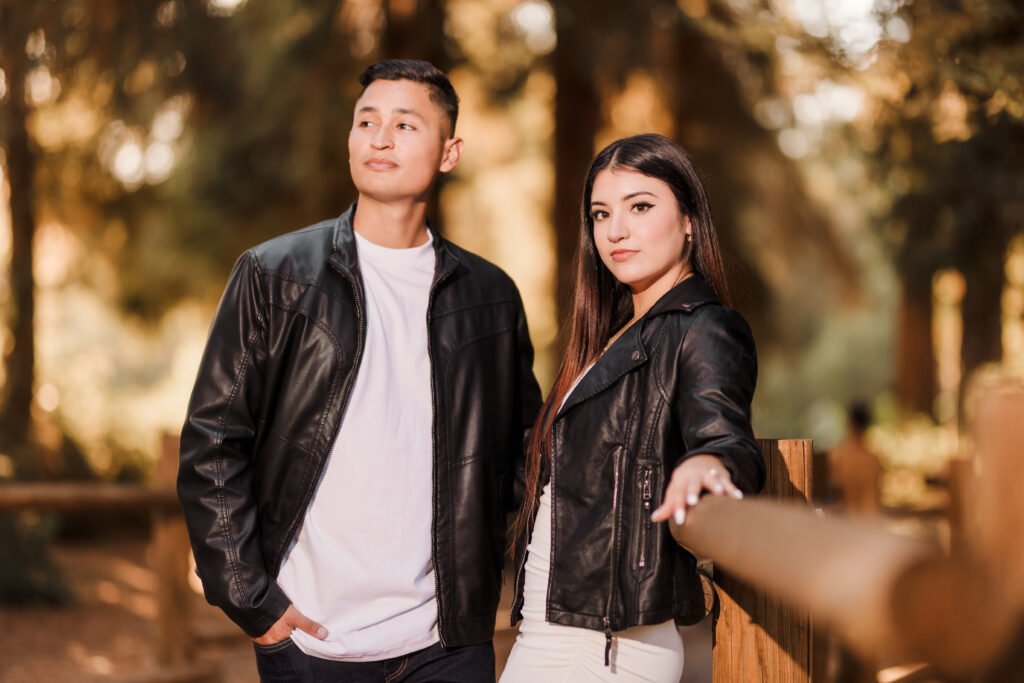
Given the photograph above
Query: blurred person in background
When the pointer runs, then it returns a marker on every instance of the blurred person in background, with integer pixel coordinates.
(351, 440)
(650, 409)
(854, 469)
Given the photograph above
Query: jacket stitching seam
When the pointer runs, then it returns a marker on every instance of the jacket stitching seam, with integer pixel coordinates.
(469, 307)
(314, 284)
(228, 537)
(338, 355)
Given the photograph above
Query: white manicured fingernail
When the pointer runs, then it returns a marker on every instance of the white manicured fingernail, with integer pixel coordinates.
(679, 516)
(692, 499)
(321, 633)
(738, 495)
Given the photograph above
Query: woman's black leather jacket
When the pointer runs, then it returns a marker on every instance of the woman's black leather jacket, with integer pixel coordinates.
(282, 356)
(678, 383)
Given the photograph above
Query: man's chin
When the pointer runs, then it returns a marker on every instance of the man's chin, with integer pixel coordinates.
(390, 195)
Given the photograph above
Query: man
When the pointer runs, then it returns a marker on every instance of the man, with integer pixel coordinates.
(351, 441)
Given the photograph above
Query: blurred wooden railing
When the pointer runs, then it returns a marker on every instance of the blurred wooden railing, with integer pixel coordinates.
(174, 639)
(778, 563)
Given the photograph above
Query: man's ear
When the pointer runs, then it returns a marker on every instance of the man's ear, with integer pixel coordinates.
(451, 154)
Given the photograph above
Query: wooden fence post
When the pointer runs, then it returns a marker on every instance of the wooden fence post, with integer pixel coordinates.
(170, 553)
(756, 637)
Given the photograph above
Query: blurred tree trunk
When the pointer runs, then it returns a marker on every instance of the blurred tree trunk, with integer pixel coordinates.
(577, 120)
(915, 356)
(19, 356)
(414, 29)
(982, 307)
(711, 117)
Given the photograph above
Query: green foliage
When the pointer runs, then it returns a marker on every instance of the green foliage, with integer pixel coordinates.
(27, 572)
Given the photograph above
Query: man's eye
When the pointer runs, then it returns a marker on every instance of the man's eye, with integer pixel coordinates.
(406, 126)
(366, 124)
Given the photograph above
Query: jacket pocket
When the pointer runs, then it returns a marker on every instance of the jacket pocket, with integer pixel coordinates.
(648, 490)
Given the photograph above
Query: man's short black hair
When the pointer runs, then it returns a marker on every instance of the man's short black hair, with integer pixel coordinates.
(441, 91)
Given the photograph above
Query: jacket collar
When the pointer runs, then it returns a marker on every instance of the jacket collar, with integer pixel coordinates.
(344, 256)
(628, 351)
(692, 292)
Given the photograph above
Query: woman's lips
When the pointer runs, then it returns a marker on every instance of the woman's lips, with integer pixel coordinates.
(623, 254)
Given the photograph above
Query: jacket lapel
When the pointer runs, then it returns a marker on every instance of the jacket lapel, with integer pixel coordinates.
(625, 355)
(628, 352)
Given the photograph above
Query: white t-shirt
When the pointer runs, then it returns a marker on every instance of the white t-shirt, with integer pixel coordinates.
(361, 565)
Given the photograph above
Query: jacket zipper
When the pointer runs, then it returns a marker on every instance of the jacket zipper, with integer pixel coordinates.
(646, 522)
(611, 563)
(346, 395)
(433, 455)
(551, 532)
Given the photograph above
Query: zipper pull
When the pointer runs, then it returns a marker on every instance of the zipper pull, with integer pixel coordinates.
(607, 642)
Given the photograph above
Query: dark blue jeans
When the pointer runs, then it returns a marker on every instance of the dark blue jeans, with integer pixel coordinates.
(284, 662)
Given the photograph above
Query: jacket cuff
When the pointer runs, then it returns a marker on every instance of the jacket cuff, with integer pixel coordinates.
(262, 616)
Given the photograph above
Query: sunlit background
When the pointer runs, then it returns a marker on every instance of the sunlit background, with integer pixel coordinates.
(865, 160)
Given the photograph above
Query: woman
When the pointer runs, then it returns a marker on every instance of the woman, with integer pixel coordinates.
(650, 408)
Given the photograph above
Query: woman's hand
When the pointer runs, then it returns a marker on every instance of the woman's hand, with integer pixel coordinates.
(291, 619)
(693, 475)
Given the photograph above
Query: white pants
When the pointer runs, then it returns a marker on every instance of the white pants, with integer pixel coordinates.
(552, 653)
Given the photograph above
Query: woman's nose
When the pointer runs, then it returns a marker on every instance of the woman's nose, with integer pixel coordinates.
(617, 229)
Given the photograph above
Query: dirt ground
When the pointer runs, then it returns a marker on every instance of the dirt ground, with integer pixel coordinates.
(109, 634)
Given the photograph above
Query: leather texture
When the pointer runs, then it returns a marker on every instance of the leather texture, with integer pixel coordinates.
(282, 356)
(678, 383)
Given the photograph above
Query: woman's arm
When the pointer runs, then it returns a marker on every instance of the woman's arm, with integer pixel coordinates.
(717, 375)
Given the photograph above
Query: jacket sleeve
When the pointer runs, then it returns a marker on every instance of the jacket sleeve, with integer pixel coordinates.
(215, 473)
(717, 375)
(529, 403)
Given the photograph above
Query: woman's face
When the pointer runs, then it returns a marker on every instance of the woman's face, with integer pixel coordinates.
(638, 229)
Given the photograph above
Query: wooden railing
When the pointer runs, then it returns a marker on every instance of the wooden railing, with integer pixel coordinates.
(778, 563)
(174, 646)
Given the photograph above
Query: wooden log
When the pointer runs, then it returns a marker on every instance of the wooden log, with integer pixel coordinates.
(994, 509)
(880, 592)
(77, 496)
(175, 644)
(997, 505)
(757, 637)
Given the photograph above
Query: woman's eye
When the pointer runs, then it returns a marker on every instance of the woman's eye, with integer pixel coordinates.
(598, 215)
(642, 207)
(406, 126)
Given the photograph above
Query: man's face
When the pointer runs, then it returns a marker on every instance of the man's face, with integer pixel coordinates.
(399, 142)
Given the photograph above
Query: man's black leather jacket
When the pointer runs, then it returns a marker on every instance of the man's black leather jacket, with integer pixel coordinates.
(279, 366)
(677, 383)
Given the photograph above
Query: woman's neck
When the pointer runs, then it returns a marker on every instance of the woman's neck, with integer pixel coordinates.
(644, 299)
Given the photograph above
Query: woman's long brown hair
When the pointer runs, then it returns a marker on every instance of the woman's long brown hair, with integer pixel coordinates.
(602, 304)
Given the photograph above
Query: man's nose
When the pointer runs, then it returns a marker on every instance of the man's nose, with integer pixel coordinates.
(381, 138)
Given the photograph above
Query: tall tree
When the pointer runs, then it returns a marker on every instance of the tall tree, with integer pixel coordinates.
(17, 22)
(951, 142)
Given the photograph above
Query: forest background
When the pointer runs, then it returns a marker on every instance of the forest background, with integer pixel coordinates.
(865, 160)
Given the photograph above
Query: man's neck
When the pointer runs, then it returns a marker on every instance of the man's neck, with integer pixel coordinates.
(396, 225)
